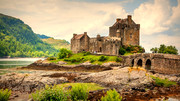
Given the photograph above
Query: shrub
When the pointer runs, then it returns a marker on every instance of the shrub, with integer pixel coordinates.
(118, 59)
(79, 92)
(102, 58)
(51, 58)
(162, 82)
(92, 60)
(86, 53)
(5, 94)
(54, 93)
(122, 51)
(112, 95)
(64, 53)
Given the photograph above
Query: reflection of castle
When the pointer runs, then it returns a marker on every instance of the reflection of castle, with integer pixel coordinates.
(123, 32)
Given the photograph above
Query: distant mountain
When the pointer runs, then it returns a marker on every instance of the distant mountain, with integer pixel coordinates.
(57, 43)
(18, 40)
(43, 36)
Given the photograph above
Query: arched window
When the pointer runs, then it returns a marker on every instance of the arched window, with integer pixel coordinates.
(131, 35)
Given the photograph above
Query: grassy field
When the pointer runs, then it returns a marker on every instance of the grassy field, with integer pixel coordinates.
(83, 57)
(57, 43)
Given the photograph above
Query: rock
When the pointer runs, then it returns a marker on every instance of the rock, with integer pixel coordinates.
(119, 79)
(162, 91)
(24, 83)
(61, 63)
(108, 64)
(38, 61)
(30, 99)
(86, 63)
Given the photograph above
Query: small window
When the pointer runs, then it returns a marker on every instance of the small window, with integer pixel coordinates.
(131, 35)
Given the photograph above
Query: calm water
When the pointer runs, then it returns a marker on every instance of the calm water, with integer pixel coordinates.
(16, 62)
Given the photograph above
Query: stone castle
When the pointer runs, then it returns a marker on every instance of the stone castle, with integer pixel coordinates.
(122, 32)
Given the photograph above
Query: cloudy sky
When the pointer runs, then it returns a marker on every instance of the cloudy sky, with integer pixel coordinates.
(159, 19)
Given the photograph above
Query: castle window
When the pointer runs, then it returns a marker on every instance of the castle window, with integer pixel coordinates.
(131, 35)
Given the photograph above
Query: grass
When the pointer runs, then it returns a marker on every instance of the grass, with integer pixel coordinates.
(81, 58)
(57, 43)
(128, 53)
(90, 86)
(5, 94)
(112, 95)
(163, 82)
(77, 92)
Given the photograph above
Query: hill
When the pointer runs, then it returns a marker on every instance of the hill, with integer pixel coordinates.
(57, 43)
(43, 36)
(18, 40)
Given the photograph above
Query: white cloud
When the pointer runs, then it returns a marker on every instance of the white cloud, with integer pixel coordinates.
(60, 18)
(174, 19)
(153, 16)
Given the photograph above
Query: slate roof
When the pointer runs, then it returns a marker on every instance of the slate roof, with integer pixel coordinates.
(123, 21)
(79, 36)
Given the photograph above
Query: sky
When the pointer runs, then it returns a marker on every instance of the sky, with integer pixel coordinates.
(159, 19)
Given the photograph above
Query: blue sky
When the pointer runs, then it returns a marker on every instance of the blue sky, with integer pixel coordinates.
(159, 19)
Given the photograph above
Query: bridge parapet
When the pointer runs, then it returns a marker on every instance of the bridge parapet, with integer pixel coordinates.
(163, 63)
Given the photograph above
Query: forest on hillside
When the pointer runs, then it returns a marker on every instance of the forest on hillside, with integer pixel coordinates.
(18, 40)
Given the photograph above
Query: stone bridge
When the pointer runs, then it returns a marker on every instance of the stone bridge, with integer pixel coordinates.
(162, 63)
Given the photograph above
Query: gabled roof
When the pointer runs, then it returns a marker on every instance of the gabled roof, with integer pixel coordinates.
(123, 21)
(79, 36)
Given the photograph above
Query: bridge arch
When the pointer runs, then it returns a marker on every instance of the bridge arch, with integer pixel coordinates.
(140, 63)
(148, 64)
(132, 63)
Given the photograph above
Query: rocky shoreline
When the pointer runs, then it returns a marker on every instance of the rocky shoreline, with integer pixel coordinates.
(133, 86)
(61, 66)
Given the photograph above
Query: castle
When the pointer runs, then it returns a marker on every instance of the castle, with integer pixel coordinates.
(122, 32)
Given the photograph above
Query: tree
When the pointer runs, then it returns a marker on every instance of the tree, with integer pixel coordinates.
(122, 51)
(165, 49)
(64, 53)
(154, 50)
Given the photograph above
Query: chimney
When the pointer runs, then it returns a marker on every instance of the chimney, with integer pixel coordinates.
(85, 33)
(98, 36)
(74, 35)
(129, 19)
(118, 19)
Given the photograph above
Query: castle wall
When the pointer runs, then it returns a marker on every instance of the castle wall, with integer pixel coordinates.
(131, 36)
(123, 32)
(75, 45)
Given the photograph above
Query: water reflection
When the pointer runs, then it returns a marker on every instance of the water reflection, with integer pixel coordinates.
(16, 62)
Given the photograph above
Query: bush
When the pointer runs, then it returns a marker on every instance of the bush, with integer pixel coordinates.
(112, 95)
(92, 60)
(64, 53)
(122, 51)
(5, 94)
(86, 53)
(102, 58)
(118, 59)
(79, 92)
(51, 58)
(163, 82)
(54, 93)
